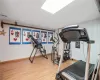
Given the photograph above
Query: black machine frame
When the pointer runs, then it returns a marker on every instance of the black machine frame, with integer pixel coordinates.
(67, 52)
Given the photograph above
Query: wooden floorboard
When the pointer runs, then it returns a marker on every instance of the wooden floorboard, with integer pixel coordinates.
(40, 69)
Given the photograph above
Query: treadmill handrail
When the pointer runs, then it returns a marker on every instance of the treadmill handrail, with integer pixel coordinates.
(72, 26)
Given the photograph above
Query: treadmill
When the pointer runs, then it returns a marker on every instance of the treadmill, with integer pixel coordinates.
(80, 70)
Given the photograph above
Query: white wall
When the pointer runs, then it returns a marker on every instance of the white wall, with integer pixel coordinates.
(11, 52)
(93, 28)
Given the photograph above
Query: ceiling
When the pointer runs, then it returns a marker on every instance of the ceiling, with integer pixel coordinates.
(30, 12)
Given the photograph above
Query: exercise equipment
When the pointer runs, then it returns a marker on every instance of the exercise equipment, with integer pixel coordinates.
(67, 54)
(54, 53)
(80, 70)
(55, 58)
(37, 46)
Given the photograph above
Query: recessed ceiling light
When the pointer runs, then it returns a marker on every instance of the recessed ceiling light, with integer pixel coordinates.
(54, 6)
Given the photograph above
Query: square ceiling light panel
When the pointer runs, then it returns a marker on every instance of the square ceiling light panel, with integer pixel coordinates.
(54, 6)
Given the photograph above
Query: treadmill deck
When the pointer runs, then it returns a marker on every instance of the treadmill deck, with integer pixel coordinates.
(77, 70)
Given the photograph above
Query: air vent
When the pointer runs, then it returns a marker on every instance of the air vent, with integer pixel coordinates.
(98, 4)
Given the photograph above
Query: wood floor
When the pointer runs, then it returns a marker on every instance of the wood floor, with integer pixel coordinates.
(40, 69)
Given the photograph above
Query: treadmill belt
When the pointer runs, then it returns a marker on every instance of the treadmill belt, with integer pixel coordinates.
(77, 70)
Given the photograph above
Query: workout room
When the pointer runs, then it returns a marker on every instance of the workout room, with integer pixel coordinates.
(49, 39)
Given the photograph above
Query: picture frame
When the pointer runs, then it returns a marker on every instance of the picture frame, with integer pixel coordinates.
(50, 36)
(14, 35)
(36, 34)
(25, 38)
(44, 37)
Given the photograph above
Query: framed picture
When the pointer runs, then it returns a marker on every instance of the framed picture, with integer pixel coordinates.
(36, 34)
(77, 44)
(50, 36)
(44, 37)
(25, 38)
(14, 35)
